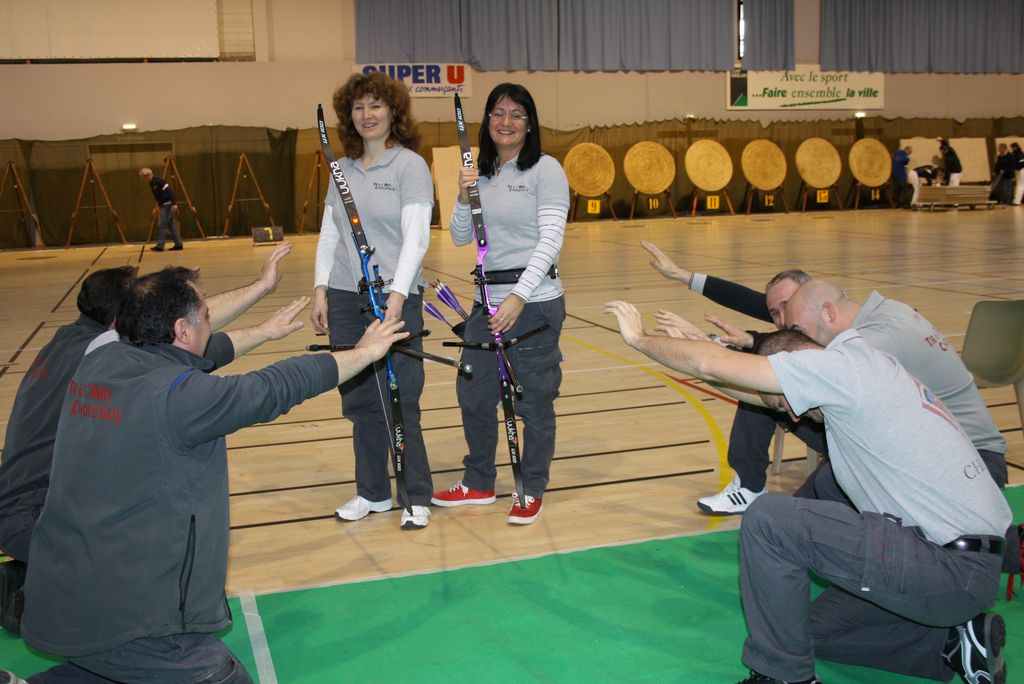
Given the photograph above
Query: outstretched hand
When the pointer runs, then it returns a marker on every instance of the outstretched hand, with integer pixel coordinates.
(283, 322)
(663, 265)
(678, 327)
(379, 337)
(270, 276)
(631, 325)
(733, 335)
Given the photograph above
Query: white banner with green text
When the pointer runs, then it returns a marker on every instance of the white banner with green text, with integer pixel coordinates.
(806, 87)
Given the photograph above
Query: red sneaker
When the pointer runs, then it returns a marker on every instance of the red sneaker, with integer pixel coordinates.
(524, 516)
(460, 495)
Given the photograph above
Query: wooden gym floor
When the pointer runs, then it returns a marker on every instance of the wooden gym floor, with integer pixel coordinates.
(637, 443)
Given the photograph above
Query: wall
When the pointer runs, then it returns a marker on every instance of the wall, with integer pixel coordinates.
(304, 50)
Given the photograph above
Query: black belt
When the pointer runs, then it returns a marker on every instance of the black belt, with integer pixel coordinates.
(978, 543)
(510, 276)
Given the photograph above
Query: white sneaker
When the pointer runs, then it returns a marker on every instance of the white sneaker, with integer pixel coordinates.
(419, 518)
(732, 500)
(358, 508)
(10, 678)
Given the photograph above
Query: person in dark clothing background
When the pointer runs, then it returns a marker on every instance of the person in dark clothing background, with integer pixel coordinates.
(901, 189)
(951, 167)
(163, 193)
(1018, 168)
(1002, 176)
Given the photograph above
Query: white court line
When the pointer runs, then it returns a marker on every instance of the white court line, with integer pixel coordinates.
(258, 639)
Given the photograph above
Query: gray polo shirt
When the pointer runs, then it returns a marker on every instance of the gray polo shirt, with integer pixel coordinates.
(895, 448)
(525, 214)
(897, 329)
(395, 179)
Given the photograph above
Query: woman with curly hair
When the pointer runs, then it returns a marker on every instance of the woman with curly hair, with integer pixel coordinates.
(394, 194)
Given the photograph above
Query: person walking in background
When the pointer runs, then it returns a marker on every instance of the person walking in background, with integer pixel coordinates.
(901, 190)
(393, 190)
(163, 193)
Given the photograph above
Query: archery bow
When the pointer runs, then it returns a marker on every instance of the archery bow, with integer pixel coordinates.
(506, 375)
(374, 287)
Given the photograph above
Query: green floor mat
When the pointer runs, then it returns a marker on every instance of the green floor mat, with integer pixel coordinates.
(660, 611)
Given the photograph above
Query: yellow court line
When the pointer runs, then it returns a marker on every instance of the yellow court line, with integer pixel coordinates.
(717, 438)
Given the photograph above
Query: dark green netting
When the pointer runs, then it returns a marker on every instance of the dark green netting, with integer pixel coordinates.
(206, 157)
(282, 162)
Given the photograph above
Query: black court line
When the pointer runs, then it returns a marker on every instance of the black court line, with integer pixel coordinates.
(24, 345)
(98, 256)
(831, 273)
(68, 293)
(458, 425)
(456, 406)
(591, 485)
(444, 471)
(1005, 403)
(589, 322)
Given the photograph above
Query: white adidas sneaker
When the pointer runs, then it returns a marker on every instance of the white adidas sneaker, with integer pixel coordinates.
(358, 508)
(419, 518)
(732, 500)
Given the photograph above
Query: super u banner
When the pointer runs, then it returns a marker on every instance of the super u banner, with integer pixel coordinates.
(426, 79)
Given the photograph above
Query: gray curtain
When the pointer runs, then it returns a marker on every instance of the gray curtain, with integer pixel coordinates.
(768, 35)
(570, 35)
(408, 31)
(513, 35)
(936, 36)
(646, 35)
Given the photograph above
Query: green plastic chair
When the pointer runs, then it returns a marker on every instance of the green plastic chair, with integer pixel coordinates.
(994, 346)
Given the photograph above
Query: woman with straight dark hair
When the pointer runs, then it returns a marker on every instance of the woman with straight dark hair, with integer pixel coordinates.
(525, 198)
(394, 194)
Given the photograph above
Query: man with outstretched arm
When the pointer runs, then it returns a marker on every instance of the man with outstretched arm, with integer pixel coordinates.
(912, 564)
(886, 324)
(32, 428)
(129, 557)
(753, 426)
(167, 206)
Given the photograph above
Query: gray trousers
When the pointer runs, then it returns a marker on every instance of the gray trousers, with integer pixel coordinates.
(361, 399)
(167, 224)
(16, 532)
(822, 485)
(173, 659)
(893, 597)
(536, 361)
(751, 437)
